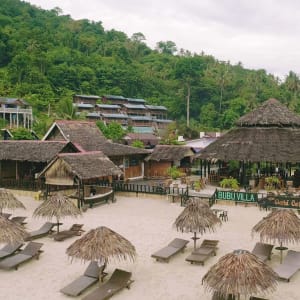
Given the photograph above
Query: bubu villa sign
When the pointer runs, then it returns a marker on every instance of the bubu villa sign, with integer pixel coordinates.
(235, 196)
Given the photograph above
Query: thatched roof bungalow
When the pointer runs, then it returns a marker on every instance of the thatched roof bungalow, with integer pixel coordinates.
(270, 133)
(87, 136)
(165, 156)
(23, 159)
(75, 168)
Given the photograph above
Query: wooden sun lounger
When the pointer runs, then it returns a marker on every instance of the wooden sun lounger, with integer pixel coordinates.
(263, 251)
(217, 296)
(257, 298)
(290, 265)
(75, 230)
(32, 250)
(19, 220)
(164, 254)
(90, 277)
(10, 249)
(118, 281)
(46, 229)
(207, 249)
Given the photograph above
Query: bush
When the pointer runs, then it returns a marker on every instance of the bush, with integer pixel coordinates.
(174, 172)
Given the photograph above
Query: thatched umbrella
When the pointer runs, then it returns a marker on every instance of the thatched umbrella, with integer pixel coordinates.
(8, 200)
(11, 232)
(58, 206)
(280, 226)
(102, 244)
(240, 273)
(197, 217)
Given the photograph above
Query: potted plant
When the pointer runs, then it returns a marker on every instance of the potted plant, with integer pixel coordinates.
(230, 183)
(174, 172)
(271, 183)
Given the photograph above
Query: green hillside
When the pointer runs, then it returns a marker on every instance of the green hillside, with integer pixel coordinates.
(46, 57)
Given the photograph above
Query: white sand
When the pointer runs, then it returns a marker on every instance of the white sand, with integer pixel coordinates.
(147, 223)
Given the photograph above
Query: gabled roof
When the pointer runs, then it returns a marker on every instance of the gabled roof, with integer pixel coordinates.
(87, 137)
(34, 151)
(83, 105)
(141, 136)
(133, 100)
(114, 97)
(83, 133)
(111, 106)
(115, 116)
(15, 101)
(134, 106)
(170, 153)
(86, 165)
(156, 107)
(88, 96)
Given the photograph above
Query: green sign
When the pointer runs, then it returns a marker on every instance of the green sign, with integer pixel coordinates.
(235, 196)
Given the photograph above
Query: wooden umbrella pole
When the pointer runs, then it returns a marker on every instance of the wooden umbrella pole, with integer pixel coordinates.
(281, 252)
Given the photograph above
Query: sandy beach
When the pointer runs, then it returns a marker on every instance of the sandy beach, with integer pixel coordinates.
(148, 223)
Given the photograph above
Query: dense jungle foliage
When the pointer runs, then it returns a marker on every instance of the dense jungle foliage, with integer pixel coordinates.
(46, 57)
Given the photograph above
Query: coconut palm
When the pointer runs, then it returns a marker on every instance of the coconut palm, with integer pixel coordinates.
(8, 200)
(240, 273)
(280, 226)
(11, 232)
(58, 206)
(197, 217)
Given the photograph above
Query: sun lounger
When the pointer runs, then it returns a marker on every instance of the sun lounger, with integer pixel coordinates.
(173, 248)
(290, 265)
(257, 298)
(263, 251)
(90, 277)
(9, 249)
(75, 230)
(118, 281)
(43, 231)
(32, 250)
(6, 215)
(217, 296)
(19, 220)
(207, 249)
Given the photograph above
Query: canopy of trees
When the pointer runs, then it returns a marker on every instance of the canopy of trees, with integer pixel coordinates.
(45, 57)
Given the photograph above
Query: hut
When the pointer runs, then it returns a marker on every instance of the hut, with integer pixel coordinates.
(165, 156)
(266, 142)
(79, 171)
(87, 136)
(22, 160)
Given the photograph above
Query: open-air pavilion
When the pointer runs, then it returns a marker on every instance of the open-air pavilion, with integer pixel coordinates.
(266, 142)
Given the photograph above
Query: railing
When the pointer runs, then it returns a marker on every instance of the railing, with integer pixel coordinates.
(30, 185)
(16, 110)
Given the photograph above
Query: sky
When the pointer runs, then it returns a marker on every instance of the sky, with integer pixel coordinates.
(260, 34)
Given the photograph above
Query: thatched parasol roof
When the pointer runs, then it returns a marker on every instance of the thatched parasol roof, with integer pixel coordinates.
(57, 206)
(33, 151)
(197, 217)
(240, 273)
(280, 226)
(8, 200)
(170, 153)
(102, 244)
(11, 232)
(269, 133)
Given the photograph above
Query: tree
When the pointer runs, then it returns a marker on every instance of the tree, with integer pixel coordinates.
(21, 134)
(167, 47)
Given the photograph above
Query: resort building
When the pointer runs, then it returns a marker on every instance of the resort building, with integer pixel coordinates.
(17, 112)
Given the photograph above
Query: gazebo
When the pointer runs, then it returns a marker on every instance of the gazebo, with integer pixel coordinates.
(266, 140)
(80, 170)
